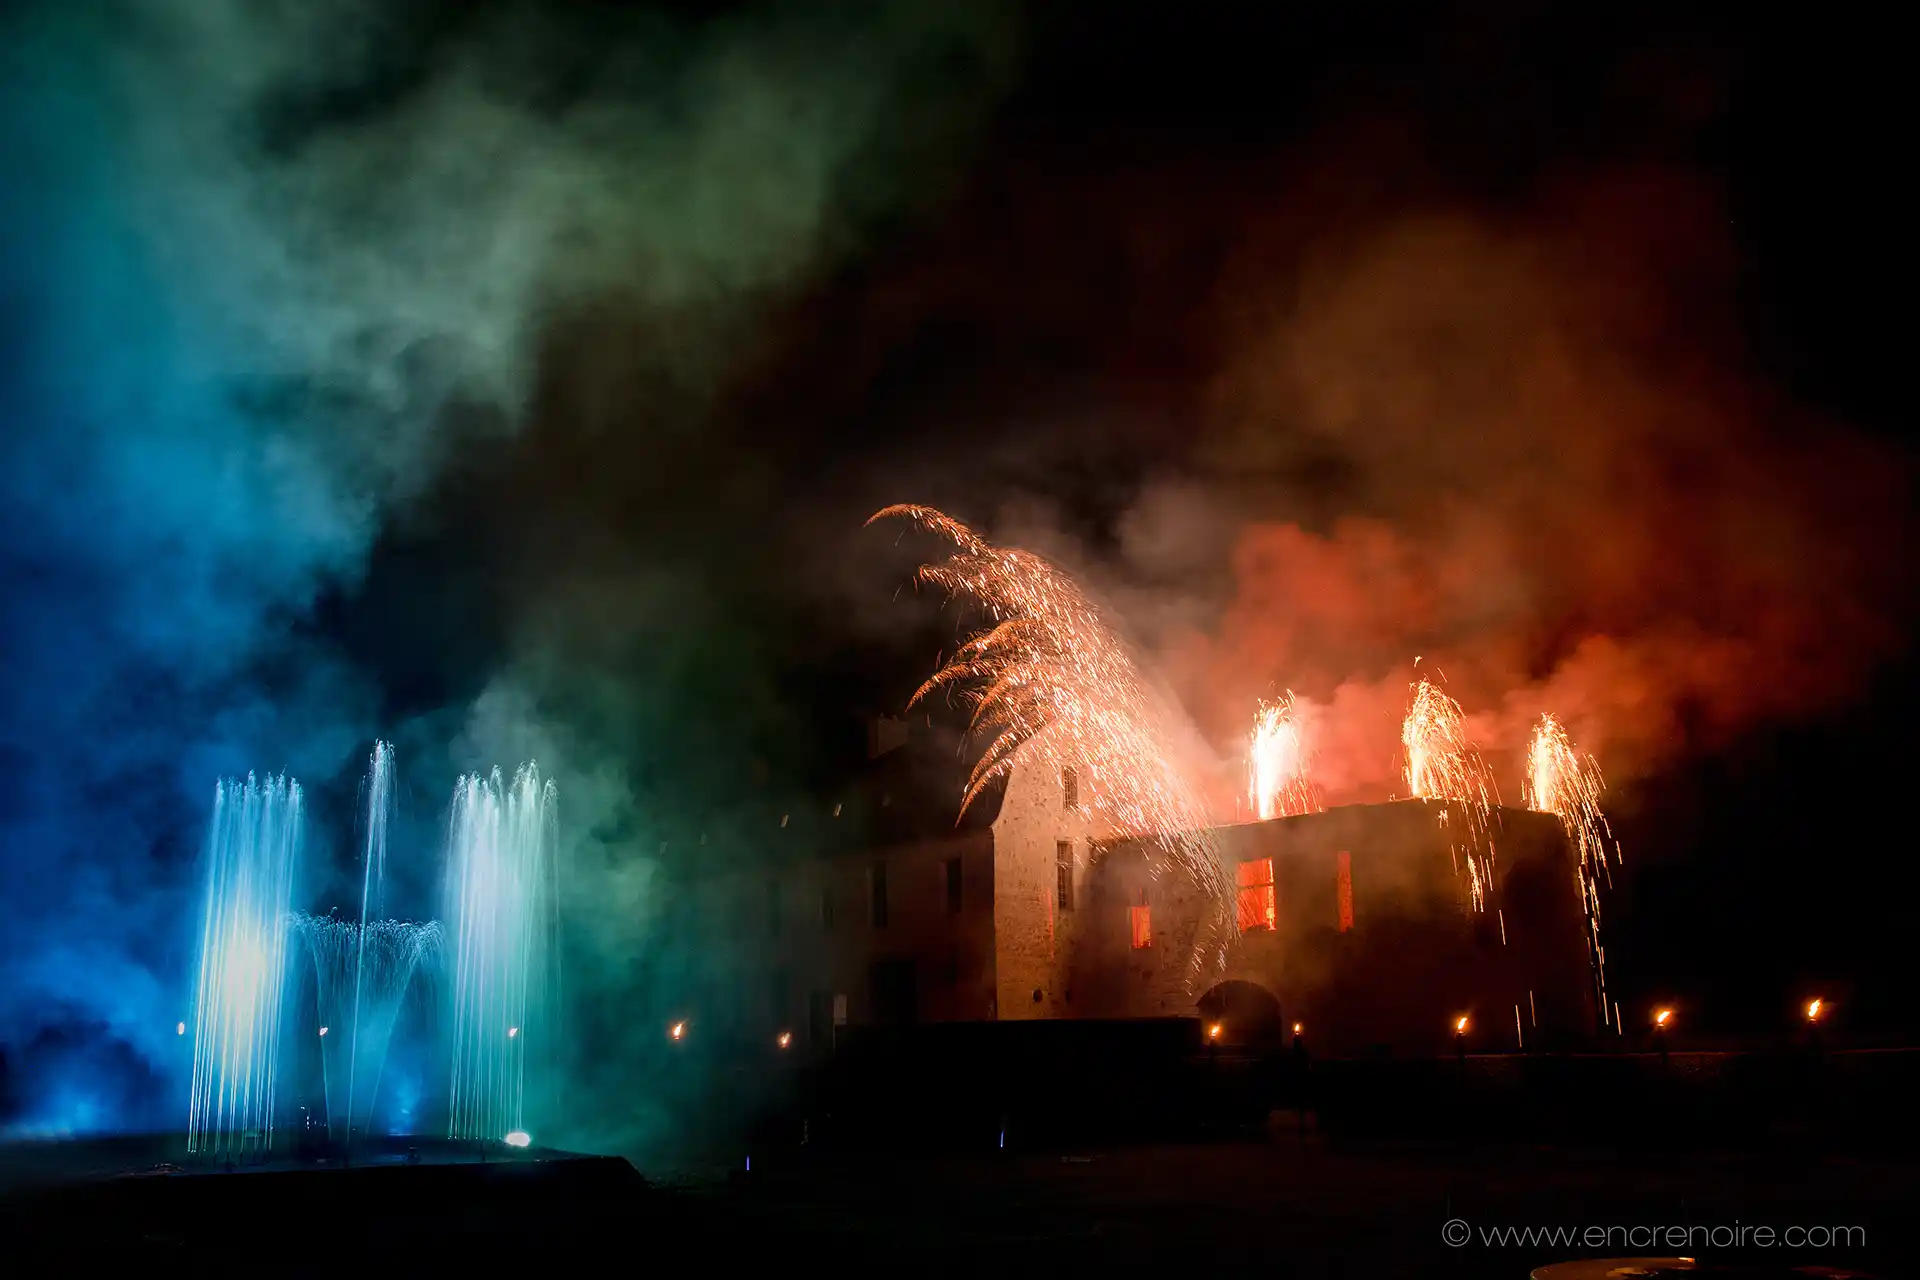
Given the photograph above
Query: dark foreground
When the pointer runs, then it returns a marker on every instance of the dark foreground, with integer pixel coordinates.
(1282, 1203)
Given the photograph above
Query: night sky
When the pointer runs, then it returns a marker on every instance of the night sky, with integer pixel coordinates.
(513, 381)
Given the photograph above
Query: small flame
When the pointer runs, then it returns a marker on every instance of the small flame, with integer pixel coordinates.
(784, 1039)
(1213, 1032)
(1296, 1028)
(678, 1030)
(1813, 1009)
(1460, 1025)
(1663, 1017)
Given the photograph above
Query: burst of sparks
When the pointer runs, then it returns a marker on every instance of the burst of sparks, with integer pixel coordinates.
(1051, 684)
(1567, 784)
(1443, 764)
(1277, 756)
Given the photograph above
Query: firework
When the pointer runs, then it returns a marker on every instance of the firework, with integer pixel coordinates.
(1567, 784)
(1277, 756)
(1051, 684)
(1443, 764)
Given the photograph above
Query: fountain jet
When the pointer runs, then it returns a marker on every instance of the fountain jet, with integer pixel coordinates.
(252, 850)
(502, 902)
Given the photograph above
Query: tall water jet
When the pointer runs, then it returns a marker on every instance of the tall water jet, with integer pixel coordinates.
(253, 847)
(372, 879)
(503, 904)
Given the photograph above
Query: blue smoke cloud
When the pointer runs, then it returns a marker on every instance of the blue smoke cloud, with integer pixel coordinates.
(261, 276)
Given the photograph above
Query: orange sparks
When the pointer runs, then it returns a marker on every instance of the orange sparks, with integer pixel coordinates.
(1051, 684)
(1277, 757)
(1443, 764)
(1567, 784)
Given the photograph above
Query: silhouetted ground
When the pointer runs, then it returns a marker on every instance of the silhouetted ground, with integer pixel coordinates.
(1284, 1205)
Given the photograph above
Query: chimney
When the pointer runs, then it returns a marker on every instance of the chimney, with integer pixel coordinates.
(884, 734)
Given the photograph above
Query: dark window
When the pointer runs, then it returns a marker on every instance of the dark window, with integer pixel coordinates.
(1063, 874)
(1070, 788)
(879, 878)
(779, 1000)
(773, 906)
(819, 1017)
(826, 908)
(895, 992)
(953, 886)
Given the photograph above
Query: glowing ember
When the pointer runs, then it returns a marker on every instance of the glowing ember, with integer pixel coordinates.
(1052, 685)
(1567, 784)
(1278, 757)
(1443, 764)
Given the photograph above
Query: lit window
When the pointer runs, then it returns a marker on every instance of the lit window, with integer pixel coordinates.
(1063, 874)
(1070, 788)
(1257, 907)
(1140, 916)
(1343, 886)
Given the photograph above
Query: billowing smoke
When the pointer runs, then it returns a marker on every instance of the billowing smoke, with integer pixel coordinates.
(1527, 452)
(268, 271)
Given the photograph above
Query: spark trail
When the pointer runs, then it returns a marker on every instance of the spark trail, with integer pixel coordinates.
(1567, 784)
(1051, 684)
(1278, 759)
(1443, 764)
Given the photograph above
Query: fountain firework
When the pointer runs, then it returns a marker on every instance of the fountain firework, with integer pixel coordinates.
(253, 849)
(1443, 764)
(373, 874)
(1050, 683)
(1277, 756)
(503, 901)
(1567, 784)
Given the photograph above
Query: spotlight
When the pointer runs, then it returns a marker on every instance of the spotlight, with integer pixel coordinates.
(323, 1031)
(677, 1031)
(784, 1039)
(512, 1032)
(180, 1028)
(1815, 1008)
(518, 1138)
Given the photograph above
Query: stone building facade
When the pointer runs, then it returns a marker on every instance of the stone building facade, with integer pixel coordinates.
(1354, 923)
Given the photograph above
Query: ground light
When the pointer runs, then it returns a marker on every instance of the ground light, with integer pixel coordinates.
(518, 1138)
(323, 1031)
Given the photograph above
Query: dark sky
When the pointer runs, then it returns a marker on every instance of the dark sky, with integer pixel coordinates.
(513, 380)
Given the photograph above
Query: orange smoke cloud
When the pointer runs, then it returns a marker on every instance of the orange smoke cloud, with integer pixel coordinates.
(1527, 454)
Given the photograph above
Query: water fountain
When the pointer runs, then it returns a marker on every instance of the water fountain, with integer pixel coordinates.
(253, 849)
(499, 956)
(502, 902)
(363, 973)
